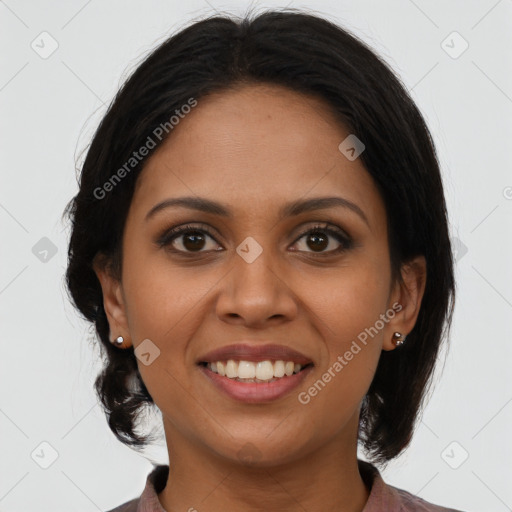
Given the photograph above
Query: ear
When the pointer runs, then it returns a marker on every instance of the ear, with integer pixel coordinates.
(409, 294)
(113, 301)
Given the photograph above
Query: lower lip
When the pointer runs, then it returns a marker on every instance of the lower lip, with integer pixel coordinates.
(254, 392)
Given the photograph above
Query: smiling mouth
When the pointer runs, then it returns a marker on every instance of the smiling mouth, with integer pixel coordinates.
(255, 372)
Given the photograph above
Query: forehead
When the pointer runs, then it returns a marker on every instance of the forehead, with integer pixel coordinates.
(256, 146)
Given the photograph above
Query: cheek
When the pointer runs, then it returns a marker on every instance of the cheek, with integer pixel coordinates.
(160, 296)
(346, 314)
(163, 305)
(166, 305)
(346, 309)
(347, 302)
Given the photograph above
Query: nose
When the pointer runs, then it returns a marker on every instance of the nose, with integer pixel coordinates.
(257, 293)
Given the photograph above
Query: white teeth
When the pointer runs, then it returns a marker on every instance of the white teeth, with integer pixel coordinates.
(255, 371)
(264, 370)
(279, 369)
(231, 369)
(246, 370)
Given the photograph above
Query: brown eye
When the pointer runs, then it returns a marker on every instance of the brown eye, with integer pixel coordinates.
(193, 240)
(318, 240)
(186, 239)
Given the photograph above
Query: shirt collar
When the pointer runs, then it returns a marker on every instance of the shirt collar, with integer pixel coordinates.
(382, 496)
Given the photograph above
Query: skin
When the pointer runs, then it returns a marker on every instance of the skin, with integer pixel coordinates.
(254, 149)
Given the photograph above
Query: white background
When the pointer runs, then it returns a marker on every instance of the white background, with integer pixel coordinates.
(49, 110)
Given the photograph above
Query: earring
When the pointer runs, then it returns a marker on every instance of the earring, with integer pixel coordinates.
(398, 339)
(118, 341)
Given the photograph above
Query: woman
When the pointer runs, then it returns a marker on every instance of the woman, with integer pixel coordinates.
(260, 239)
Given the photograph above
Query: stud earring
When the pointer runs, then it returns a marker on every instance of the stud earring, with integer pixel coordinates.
(398, 339)
(118, 341)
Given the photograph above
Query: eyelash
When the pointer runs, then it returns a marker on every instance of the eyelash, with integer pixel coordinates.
(166, 239)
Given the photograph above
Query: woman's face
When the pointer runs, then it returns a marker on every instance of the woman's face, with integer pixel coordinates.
(254, 277)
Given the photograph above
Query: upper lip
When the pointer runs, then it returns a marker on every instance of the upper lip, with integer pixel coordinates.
(247, 352)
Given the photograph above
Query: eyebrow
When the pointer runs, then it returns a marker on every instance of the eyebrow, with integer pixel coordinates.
(288, 210)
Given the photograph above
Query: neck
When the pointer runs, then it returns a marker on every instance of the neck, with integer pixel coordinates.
(326, 479)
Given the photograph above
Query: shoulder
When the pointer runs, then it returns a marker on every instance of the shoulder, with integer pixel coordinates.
(148, 500)
(129, 506)
(412, 503)
(392, 499)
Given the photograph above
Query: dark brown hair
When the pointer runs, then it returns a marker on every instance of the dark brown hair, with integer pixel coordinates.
(310, 55)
